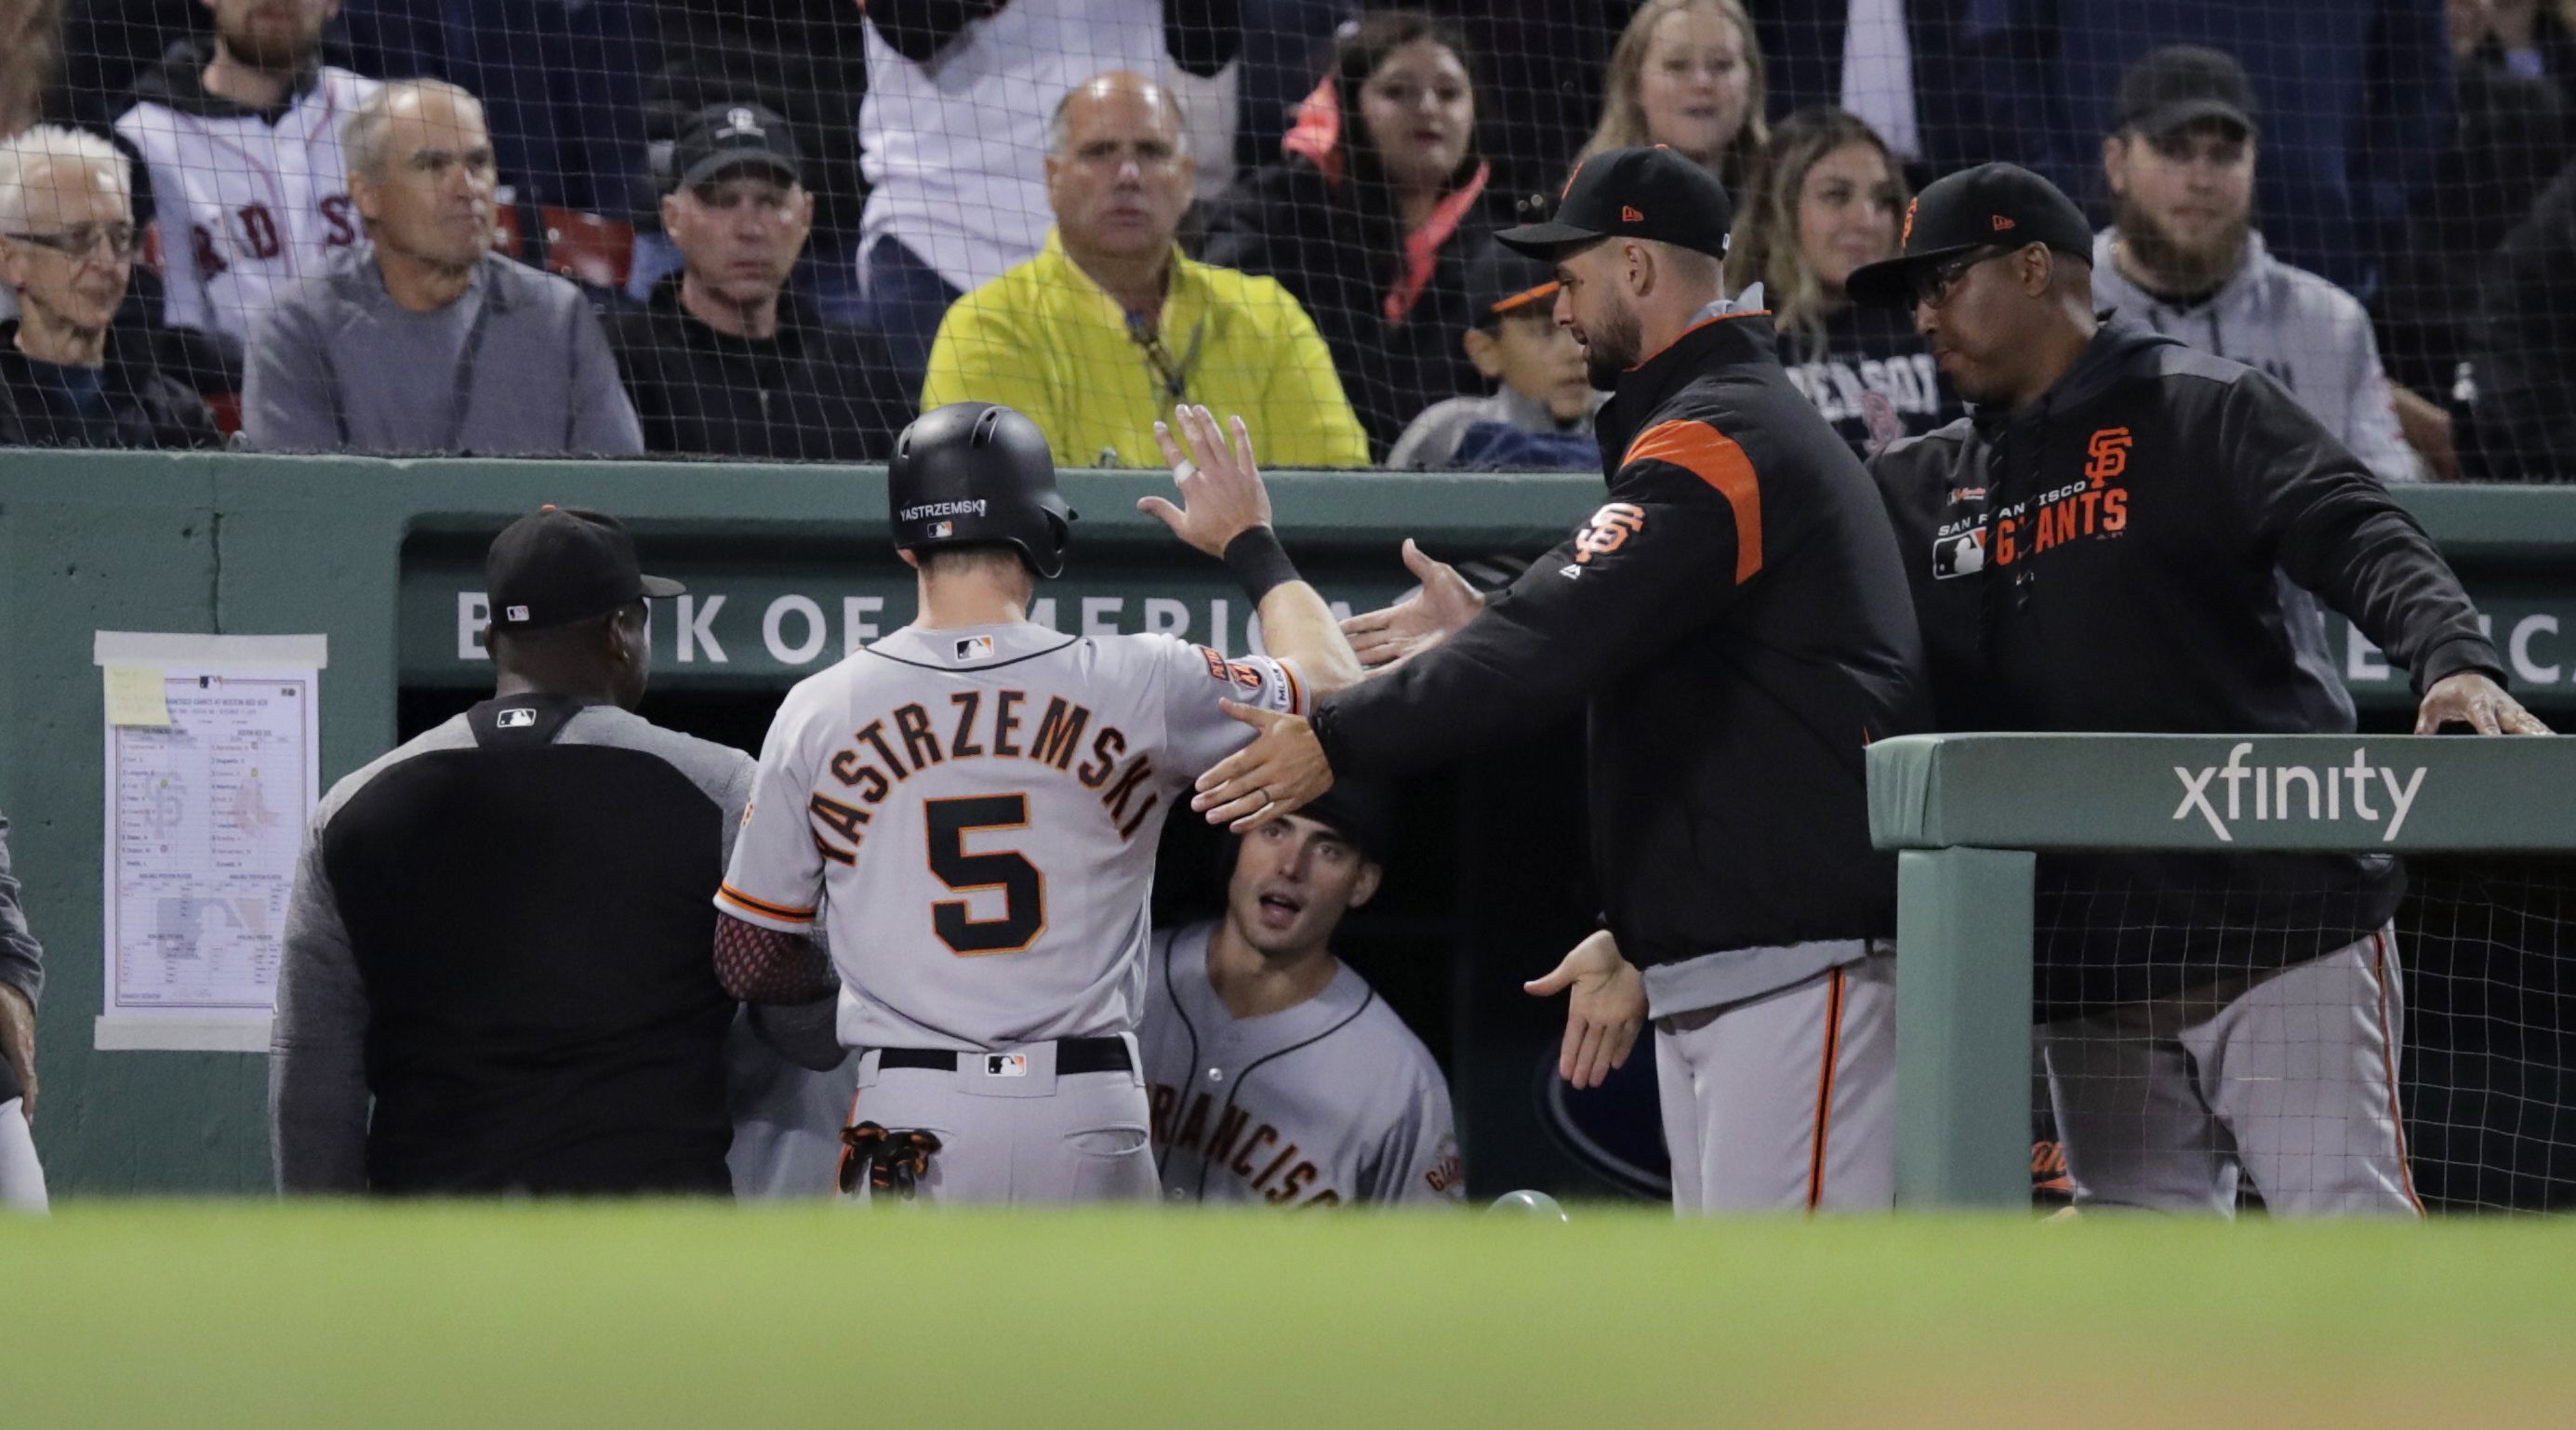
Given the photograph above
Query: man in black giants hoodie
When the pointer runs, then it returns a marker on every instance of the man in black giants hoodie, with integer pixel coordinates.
(2103, 546)
(1736, 622)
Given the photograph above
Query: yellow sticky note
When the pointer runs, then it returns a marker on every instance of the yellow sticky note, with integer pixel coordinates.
(135, 696)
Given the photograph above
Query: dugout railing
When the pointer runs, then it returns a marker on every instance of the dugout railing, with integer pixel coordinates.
(1970, 815)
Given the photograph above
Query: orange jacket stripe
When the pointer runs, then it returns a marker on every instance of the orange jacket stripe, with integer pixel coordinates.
(733, 895)
(1713, 457)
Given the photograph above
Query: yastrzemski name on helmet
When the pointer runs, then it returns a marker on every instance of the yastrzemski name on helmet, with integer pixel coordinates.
(978, 474)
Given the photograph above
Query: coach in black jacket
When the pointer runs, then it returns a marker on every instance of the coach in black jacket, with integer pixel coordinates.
(1736, 621)
(2107, 545)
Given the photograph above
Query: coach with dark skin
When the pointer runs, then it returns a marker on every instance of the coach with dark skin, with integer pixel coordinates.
(2102, 546)
(1735, 622)
(495, 977)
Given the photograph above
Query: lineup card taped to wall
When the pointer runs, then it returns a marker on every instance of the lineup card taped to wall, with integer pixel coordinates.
(214, 766)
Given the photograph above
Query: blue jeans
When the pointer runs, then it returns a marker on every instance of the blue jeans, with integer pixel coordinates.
(906, 299)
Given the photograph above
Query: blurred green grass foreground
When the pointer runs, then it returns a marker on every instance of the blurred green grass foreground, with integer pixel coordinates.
(206, 1316)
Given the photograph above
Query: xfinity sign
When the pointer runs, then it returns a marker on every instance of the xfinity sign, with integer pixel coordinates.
(2373, 795)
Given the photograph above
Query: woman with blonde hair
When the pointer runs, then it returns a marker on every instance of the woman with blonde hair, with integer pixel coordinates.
(1687, 73)
(1827, 197)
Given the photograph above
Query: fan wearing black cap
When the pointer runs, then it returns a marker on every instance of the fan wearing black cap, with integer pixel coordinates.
(498, 933)
(1540, 415)
(1277, 1075)
(2183, 257)
(725, 358)
(1735, 622)
(2102, 546)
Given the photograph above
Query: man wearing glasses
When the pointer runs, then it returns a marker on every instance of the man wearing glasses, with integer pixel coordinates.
(68, 376)
(2103, 545)
(1110, 327)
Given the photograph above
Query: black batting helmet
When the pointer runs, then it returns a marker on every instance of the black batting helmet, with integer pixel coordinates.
(978, 472)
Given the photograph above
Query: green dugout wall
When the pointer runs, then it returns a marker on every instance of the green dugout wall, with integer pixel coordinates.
(786, 567)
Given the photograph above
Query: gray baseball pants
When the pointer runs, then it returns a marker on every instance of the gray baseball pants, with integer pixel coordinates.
(2288, 1077)
(1787, 1101)
(22, 1177)
(1017, 1134)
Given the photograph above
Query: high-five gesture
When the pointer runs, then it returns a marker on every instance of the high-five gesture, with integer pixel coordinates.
(1419, 621)
(1281, 771)
(1222, 495)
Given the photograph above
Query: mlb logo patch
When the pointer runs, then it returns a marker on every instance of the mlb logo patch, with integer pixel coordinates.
(1960, 555)
(517, 717)
(942, 530)
(1006, 1065)
(514, 613)
(975, 648)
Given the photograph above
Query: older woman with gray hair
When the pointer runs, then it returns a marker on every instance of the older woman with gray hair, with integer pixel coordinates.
(70, 376)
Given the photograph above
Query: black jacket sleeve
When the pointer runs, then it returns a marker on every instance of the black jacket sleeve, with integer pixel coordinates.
(2526, 342)
(1203, 36)
(2337, 532)
(919, 29)
(1658, 562)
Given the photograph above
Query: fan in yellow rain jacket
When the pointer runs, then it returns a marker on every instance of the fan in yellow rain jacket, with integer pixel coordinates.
(1111, 327)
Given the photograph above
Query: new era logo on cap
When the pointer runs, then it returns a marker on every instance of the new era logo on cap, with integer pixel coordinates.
(2002, 223)
(1628, 214)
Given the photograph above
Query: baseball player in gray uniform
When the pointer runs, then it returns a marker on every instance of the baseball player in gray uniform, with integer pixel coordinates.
(22, 978)
(969, 809)
(1276, 1073)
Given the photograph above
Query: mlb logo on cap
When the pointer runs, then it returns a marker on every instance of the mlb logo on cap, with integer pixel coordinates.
(517, 717)
(514, 613)
(942, 530)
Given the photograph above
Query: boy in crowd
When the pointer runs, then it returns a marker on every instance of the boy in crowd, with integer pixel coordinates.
(1540, 415)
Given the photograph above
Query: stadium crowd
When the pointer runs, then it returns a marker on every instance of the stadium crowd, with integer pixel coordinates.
(787, 232)
(779, 230)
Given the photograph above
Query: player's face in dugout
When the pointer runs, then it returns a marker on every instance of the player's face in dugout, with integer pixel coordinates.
(1293, 880)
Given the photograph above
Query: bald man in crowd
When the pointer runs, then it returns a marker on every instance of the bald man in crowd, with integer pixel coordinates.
(1110, 327)
(427, 341)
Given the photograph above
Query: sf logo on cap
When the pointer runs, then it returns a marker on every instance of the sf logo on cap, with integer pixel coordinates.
(740, 121)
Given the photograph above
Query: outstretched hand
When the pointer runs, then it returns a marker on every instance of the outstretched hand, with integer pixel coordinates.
(1222, 494)
(2475, 700)
(1605, 1014)
(1422, 619)
(1281, 771)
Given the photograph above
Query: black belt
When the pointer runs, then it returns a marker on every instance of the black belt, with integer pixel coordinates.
(1072, 1055)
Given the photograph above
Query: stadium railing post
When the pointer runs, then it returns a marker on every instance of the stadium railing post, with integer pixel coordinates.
(1963, 934)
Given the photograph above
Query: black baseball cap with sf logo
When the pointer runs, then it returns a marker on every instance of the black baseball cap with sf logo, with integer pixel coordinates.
(1996, 206)
(558, 565)
(1651, 193)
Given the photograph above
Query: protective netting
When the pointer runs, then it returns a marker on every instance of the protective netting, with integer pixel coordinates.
(2291, 1033)
(1287, 212)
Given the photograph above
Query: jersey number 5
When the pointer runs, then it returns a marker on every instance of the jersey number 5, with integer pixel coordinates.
(948, 822)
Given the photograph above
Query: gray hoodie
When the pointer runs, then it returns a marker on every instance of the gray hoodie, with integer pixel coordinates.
(2294, 327)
